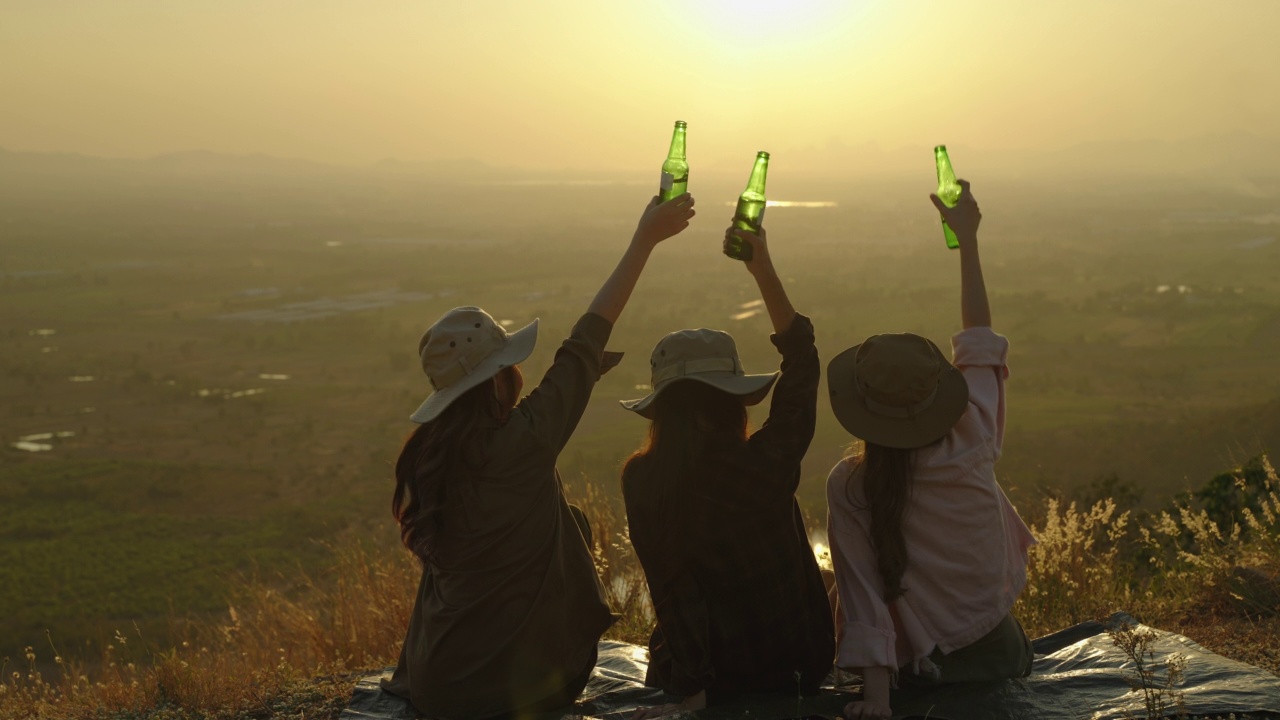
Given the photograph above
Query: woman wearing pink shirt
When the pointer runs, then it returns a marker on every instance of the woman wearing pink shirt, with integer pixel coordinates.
(929, 554)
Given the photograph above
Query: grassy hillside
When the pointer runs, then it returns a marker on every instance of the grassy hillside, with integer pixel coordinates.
(91, 547)
(297, 653)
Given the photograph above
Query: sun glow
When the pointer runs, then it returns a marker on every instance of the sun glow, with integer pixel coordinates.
(740, 21)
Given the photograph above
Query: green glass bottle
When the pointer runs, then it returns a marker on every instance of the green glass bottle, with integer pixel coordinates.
(948, 190)
(750, 213)
(675, 171)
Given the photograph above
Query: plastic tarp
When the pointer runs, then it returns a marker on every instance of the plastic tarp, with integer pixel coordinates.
(1078, 673)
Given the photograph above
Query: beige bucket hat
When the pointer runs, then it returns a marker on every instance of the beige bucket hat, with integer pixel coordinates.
(707, 356)
(896, 390)
(464, 348)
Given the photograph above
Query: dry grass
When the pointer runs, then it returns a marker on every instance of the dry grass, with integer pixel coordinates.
(1168, 568)
(262, 658)
(294, 649)
(1072, 572)
(618, 567)
(275, 653)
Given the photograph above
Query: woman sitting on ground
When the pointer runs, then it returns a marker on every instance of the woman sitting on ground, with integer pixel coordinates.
(509, 608)
(929, 554)
(740, 602)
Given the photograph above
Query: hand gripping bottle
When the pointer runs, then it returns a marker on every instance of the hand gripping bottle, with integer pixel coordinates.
(750, 213)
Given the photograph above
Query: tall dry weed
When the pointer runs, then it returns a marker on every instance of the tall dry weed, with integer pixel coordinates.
(1157, 680)
(618, 567)
(1194, 559)
(354, 617)
(1095, 561)
(1264, 523)
(1073, 571)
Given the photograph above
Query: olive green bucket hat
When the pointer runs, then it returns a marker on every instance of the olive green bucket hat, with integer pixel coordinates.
(705, 356)
(462, 349)
(896, 390)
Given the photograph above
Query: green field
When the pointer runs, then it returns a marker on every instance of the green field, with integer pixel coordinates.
(250, 343)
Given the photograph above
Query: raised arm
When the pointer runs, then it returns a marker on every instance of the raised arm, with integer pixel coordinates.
(553, 408)
(659, 222)
(964, 218)
(761, 268)
(978, 351)
(786, 434)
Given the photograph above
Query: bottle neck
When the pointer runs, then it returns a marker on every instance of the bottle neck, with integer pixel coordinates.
(758, 173)
(945, 171)
(677, 144)
(943, 160)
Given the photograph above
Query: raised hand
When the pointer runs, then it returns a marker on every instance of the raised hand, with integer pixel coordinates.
(664, 220)
(760, 260)
(964, 217)
(657, 223)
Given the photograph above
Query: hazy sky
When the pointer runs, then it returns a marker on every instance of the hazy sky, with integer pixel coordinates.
(597, 83)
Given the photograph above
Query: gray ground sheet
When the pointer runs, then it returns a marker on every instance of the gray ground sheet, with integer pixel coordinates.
(1078, 673)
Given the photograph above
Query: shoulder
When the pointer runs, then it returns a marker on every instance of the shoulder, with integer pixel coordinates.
(842, 469)
(841, 475)
(633, 470)
(517, 429)
(637, 463)
(968, 451)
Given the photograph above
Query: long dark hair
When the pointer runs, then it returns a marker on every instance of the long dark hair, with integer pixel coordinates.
(443, 452)
(690, 419)
(887, 479)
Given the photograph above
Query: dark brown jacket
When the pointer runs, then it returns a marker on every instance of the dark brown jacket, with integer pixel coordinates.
(511, 608)
(740, 602)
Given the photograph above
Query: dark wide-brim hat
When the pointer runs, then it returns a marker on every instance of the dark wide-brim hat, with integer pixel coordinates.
(896, 390)
(705, 356)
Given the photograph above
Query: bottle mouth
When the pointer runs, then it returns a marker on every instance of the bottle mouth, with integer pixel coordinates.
(681, 124)
(762, 154)
(939, 148)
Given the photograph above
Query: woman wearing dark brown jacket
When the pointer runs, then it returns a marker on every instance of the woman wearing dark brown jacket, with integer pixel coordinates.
(509, 609)
(740, 602)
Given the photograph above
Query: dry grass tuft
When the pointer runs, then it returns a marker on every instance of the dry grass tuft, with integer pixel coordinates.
(1072, 572)
(258, 661)
(1164, 567)
(618, 567)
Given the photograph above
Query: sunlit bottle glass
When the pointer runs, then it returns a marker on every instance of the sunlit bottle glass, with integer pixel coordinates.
(750, 213)
(948, 191)
(675, 171)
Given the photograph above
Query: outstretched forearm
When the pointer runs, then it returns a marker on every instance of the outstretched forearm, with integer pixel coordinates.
(975, 310)
(781, 314)
(963, 218)
(658, 222)
(613, 295)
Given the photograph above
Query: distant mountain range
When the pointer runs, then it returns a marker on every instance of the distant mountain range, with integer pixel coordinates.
(1219, 156)
(1226, 156)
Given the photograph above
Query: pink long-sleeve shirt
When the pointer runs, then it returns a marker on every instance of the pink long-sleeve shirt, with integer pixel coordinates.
(966, 544)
